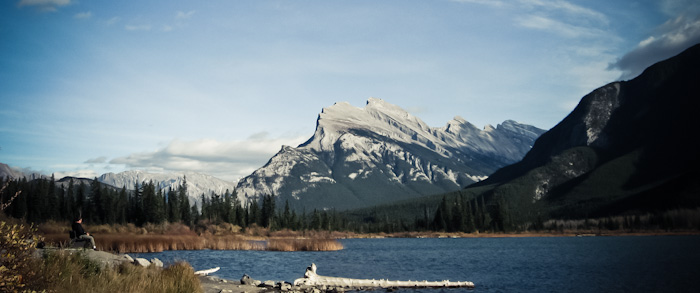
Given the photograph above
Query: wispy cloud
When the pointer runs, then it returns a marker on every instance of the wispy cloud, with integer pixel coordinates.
(184, 15)
(559, 6)
(673, 37)
(44, 5)
(113, 20)
(83, 15)
(98, 160)
(141, 27)
(555, 26)
(228, 160)
(482, 2)
(558, 16)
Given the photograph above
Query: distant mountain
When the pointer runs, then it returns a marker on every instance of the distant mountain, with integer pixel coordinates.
(9, 172)
(628, 147)
(197, 183)
(361, 157)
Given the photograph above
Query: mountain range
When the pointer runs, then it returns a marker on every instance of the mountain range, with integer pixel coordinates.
(197, 183)
(360, 157)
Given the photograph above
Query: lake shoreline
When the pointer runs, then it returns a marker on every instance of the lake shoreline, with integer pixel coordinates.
(519, 234)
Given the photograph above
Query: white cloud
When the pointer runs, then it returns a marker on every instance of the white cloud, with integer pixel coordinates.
(83, 15)
(673, 37)
(227, 160)
(44, 5)
(86, 173)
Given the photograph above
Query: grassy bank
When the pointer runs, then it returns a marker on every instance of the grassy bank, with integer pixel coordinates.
(22, 269)
(60, 272)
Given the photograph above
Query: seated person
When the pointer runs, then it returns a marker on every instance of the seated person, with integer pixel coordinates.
(81, 234)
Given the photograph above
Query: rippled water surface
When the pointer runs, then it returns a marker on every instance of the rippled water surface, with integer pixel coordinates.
(534, 264)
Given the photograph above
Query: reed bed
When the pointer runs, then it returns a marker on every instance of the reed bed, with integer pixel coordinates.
(130, 243)
(295, 244)
(233, 243)
(175, 236)
(149, 243)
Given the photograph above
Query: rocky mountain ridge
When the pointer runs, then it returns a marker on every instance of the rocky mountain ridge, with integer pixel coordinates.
(360, 157)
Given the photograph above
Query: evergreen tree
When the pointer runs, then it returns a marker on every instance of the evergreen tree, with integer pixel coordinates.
(95, 212)
(240, 213)
(22, 200)
(159, 213)
(53, 207)
(268, 210)
(441, 216)
(62, 205)
(35, 200)
(458, 217)
(122, 206)
(71, 202)
(136, 214)
(286, 219)
(205, 208)
(254, 216)
(194, 214)
(174, 211)
(229, 208)
(186, 214)
(315, 221)
(80, 198)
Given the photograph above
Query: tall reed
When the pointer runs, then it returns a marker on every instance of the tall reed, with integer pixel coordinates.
(293, 244)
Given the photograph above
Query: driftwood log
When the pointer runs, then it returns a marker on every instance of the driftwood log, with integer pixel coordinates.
(206, 272)
(312, 279)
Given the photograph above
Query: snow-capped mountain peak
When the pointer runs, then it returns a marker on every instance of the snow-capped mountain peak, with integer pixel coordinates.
(378, 153)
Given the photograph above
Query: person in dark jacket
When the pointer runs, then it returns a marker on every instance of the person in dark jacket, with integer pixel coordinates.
(81, 234)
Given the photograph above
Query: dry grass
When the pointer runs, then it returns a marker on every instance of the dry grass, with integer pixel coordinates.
(232, 243)
(157, 238)
(293, 244)
(75, 273)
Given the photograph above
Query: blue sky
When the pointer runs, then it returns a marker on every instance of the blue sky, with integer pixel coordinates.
(88, 87)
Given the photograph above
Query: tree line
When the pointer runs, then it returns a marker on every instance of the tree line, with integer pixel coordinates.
(42, 200)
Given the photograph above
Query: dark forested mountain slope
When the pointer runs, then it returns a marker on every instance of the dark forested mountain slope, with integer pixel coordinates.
(629, 146)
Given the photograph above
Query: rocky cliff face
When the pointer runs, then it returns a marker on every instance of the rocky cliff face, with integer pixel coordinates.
(361, 157)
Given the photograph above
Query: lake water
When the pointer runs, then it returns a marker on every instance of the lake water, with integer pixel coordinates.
(532, 264)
